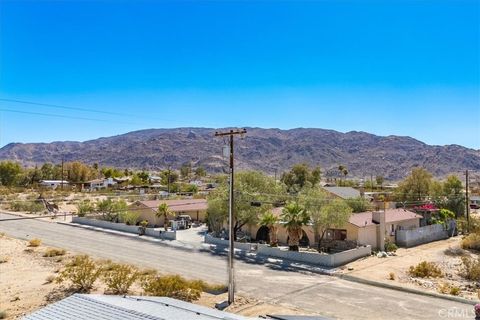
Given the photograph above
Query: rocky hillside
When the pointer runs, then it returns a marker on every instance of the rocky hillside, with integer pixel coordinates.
(261, 149)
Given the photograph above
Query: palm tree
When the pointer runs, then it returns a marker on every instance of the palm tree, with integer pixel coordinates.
(269, 220)
(343, 170)
(294, 217)
(163, 211)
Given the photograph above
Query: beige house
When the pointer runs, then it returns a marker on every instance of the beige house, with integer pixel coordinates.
(365, 228)
(195, 208)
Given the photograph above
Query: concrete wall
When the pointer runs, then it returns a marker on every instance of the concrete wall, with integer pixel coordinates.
(170, 235)
(246, 246)
(324, 260)
(405, 224)
(368, 236)
(410, 238)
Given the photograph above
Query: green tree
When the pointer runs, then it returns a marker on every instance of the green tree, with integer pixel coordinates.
(200, 172)
(111, 210)
(416, 186)
(358, 204)
(294, 217)
(163, 211)
(79, 172)
(186, 170)
(299, 176)
(454, 198)
(334, 214)
(343, 171)
(111, 172)
(313, 199)
(269, 220)
(249, 186)
(380, 180)
(9, 173)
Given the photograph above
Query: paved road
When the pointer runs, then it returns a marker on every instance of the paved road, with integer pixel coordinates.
(326, 295)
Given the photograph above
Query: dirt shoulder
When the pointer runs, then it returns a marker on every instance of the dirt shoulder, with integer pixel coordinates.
(380, 269)
(27, 283)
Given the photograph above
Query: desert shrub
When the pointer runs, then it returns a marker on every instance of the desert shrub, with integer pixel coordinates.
(471, 268)
(425, 270)
(454, 291)
(472, 241)
(3, 314)
(34, 242)
(81, 272)
(455, 251)
(54, 252)
(171, 286)
(2, 234)
(85, 207)
(27, 206)
(390, 246)
(129, 217)
(4, 259)
(210, 288)
(119, 277)
(391, 276)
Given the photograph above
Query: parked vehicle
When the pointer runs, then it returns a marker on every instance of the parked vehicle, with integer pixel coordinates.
(184, 221)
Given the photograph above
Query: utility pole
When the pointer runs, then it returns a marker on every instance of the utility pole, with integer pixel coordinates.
(168, 182)
(63, 160)
(231, 280)
(467, 202)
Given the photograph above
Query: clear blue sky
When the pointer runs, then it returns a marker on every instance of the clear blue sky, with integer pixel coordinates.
(385, 67)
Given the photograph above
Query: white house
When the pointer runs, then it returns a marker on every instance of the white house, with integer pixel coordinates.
(98, 184)
(53, 184)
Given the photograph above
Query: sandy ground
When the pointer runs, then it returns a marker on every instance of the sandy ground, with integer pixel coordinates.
(24, 287)
(378, 269)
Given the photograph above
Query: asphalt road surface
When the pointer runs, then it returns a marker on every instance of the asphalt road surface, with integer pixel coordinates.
(325, 295)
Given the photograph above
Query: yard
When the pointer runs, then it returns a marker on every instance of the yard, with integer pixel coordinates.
(394, 269)
(27, 283)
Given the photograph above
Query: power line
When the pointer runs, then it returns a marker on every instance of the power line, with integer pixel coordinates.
(66, 107)
(62, 116)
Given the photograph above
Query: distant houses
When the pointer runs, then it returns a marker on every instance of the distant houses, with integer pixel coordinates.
(53, 184)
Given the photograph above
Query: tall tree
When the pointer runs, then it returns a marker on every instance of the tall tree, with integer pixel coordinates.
(270, 220)
(9, 173)
(334, 214)
(416, 186)
(250, 186)
(299, 176)
(163, 211)
(294, 217)
(454, 198)
(313, 199)
(380, 180)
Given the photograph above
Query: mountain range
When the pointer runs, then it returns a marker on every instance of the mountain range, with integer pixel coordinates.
(268, 150)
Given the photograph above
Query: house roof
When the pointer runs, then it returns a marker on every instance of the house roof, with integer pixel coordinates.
(343, 192)
(365, 219)
(176, 205)
(86, 307)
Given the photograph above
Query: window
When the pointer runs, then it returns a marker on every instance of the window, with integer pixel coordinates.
(336, 234)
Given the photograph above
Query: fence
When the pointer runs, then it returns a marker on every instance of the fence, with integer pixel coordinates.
(167, 235)
(324, 260)
(415, 237)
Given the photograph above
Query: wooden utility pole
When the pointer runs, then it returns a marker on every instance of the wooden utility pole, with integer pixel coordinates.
(168, 182)
(63, 160)
(231, 280)
(467, 202)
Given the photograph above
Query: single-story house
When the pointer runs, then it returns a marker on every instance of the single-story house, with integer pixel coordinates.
(364, 228)
(109, 307)
(53, 184)
(98, 184)
(343, 192)
(367, 227)
(195, 208)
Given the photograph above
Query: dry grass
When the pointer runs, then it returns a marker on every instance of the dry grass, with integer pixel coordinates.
(425, 270)
(391, 276)
(54, 252)
(34, 242)
(472, 242)
(4, 259)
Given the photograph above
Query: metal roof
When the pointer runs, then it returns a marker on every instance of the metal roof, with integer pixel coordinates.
(106, 307)
(343, 192)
